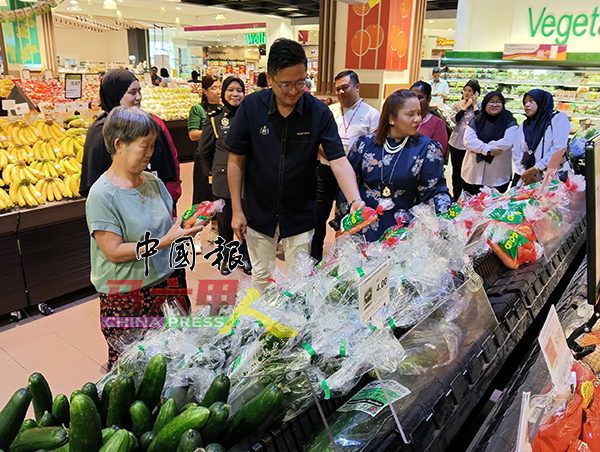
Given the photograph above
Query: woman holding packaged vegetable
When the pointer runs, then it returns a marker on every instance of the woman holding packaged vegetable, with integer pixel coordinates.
(544, 133)
(122, 205)
(397, 167)
(489, 139)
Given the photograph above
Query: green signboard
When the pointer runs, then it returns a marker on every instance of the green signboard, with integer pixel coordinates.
(256, 38)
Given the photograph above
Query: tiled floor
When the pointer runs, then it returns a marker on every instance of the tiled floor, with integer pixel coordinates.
(67, 346)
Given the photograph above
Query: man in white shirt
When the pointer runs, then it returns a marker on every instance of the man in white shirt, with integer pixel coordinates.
(439, 88)
(354, 118)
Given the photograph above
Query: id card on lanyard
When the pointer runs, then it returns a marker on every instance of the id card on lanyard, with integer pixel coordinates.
(345, 138)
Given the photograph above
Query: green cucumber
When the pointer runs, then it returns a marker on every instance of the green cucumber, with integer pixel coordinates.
(48, 420)
(146, 439)
(141, 418)
(215, 447)
(153, 381)
(27, 424)
(60, 409)
(105, 400)
(74, 393)
(190, 441)
(41, 395)
(252, 415)
(107, 434)
(168, 438)
(119, 442)
(189, 405)
(218, 391)
(166, 414)
(85, 432)
(90, 390)
(133, 442)
(12, 416)
(39, 438)
(219, 413)
(121, 397)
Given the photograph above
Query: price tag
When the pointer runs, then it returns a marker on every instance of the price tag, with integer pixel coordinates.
(522, 442)
(556, 351)
(8, 104)
(71, 106)
(148, 79)
(73, 86)
(83, 106)
(22, 109)
(26, 74)
(48, 75)
(374, 292)
(60, 108)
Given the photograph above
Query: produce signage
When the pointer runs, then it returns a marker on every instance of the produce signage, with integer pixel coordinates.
(73, 86)
(256, 38)
(535, 52)
(547, 23)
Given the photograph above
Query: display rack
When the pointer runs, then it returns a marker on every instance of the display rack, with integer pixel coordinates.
(432, 416)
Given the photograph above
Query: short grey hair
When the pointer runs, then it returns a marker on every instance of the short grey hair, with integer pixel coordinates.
(127, 124)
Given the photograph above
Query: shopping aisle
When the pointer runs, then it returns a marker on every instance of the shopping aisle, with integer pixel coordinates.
(67, 347)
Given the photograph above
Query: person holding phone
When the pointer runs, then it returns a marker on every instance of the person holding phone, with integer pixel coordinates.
(463, 112)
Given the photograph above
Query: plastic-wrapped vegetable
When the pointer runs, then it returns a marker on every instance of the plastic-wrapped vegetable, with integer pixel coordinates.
(201, 212)
(354, 222)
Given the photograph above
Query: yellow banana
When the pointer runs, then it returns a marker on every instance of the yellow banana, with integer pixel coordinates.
(61, 187)
(3, 159)
(27, 195)
(50, 191)
(12, 192)
(68, 187)
(57, 193)
(20, 195)
(6, 173)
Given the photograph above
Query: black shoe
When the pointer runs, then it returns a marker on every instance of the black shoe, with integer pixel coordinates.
(247, 267)
(225, 270)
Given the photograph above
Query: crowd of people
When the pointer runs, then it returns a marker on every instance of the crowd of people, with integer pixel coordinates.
(280, 159)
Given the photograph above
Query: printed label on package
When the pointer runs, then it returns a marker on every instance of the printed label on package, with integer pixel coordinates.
(371, 399)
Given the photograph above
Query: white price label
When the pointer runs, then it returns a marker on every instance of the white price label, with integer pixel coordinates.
(22, 108)
(26, 74)
(73, 86)
(61, 108)
(71, 106)
(374, 292)
(148, 79)
(556, 351)
(8, 104)
(48, 75)
(83, 106)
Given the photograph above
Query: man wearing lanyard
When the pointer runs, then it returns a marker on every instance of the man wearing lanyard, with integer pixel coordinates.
(439, 88)
(354, 118)
(273, 145)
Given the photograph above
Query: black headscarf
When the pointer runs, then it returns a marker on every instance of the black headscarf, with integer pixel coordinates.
(474, 84)
(113, 87)
(226, 83)
(492, 128)
(535, 126)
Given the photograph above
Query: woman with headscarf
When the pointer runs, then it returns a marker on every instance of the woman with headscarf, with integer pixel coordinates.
(214, 156)
(462, 114)
(120, 87)
(544, 133)
(489, 139)
(211, 96)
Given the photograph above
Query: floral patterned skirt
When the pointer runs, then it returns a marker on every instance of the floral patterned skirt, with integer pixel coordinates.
(145, 302)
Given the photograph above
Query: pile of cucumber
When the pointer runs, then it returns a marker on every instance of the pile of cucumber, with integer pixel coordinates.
(124, 418)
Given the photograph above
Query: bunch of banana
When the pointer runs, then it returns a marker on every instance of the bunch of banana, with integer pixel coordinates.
(5, 142)
(49, 129)
(76, 123)
(23, 133)
(75, 132)
(23, 192)
(48, 167)
(70, 165)
(17, 171)
(22, 152)
(72, 185)
(5, 201)
(72, 145)
(52, 189)
(6, 158)
(44, 149)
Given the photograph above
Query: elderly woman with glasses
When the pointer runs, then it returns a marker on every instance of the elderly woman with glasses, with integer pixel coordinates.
(124, 205)
(489, 140)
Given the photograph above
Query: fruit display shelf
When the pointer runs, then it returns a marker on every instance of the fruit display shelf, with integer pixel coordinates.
(13, 295)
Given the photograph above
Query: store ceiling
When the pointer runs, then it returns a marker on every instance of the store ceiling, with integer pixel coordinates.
(441, 5)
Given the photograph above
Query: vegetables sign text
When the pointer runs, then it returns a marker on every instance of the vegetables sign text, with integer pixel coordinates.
(547, 24)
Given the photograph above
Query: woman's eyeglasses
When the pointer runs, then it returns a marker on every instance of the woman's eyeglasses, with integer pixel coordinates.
(497, 104)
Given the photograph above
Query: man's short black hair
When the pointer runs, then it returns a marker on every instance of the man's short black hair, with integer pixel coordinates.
(154, 67)
(285, 53)
(353, 76)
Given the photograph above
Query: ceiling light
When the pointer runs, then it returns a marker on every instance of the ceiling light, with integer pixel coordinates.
(449, 29)
(178, 8)
(289, 8)
(73, 6)
(119, 15)
(431, 21)
(120, 1)
(109, 4)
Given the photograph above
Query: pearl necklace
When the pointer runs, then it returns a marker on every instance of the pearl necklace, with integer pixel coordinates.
(395, 149)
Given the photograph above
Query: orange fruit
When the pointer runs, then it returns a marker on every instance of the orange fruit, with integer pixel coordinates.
(394, 33)
(405, 7)
(402, 44)
(376, 34)
(361, 42)
(361, 9)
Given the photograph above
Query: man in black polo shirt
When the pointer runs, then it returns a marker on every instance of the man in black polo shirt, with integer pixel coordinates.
(273, 144)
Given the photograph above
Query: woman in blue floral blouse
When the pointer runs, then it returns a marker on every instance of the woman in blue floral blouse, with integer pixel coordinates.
(396, 167)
